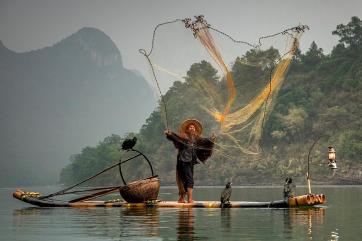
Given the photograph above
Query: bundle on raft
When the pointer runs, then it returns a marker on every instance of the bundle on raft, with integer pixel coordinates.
(298, 201)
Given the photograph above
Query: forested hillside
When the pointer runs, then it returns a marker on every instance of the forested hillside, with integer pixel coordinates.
(320, 100)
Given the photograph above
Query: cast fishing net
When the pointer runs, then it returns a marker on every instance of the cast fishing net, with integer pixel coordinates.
(233, 102)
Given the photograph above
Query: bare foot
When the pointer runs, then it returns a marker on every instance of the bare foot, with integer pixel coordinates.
(181, 200)
(190, 201)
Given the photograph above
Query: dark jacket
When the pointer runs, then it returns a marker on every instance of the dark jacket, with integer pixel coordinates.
(191, 150)
(186, 148)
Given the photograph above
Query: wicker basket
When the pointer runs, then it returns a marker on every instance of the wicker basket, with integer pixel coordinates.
(141, 190)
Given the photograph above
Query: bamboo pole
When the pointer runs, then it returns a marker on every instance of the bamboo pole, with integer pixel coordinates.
(309, 186)
(308, 167)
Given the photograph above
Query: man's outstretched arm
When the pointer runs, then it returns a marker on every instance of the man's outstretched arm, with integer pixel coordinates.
(176, 139)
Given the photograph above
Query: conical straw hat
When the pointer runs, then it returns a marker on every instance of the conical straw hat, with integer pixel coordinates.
(188, 122)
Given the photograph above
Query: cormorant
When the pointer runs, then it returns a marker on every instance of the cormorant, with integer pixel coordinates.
(289, 188)
(225, 195)
(128, 144)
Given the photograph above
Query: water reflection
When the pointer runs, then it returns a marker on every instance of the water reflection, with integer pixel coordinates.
(26, 211)
(340, 221)
(300, 219)
(137, 222)
(225, 219)
(100, 223)
(175, 223)
(334, 236)
(185, 229)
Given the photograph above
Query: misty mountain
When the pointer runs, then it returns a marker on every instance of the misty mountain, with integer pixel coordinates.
(59, 99)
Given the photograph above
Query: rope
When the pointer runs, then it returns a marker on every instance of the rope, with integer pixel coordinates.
(232, 39)
(298, 29)
(142, 51)
(147, 56)
(154, 33)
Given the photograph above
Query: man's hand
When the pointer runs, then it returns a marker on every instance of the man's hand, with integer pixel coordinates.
(167, 132)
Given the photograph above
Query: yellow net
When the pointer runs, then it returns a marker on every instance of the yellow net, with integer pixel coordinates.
(206, 39)
(236, 118)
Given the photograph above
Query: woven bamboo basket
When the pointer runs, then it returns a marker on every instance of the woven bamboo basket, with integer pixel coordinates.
(141, 190)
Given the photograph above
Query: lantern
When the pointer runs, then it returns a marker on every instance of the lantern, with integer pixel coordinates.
(332, 158)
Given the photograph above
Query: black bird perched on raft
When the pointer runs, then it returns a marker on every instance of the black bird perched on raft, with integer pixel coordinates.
(128, 144)
(289, 188)
(225, 195)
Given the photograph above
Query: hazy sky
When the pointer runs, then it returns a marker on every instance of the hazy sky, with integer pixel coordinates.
(32, 24)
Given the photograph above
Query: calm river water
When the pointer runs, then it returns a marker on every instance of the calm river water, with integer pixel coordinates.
(340, 219)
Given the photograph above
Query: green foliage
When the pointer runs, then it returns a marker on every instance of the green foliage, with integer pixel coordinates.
(313, 56)
(351, 33)
(321, 98)
(294, 121)
(265, 59)
(202, 70)
(92, 160)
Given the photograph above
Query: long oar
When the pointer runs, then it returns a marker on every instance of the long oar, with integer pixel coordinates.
(94, 195)
(88, 190)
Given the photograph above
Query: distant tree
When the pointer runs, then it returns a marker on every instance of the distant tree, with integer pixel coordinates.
(313, 56)
(294, 121)
(350, 34)
(202, 70)
(350, 145)
(244, 71)
(265, 59)
(331, 120)
(252, 71)
(297, 56)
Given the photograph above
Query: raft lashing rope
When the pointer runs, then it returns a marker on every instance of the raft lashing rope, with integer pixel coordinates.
(233, 120)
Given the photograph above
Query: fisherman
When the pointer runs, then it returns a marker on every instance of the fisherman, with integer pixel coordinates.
(192, 149)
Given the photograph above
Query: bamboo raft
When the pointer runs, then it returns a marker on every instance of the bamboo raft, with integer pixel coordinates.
(298, 201)
(143, 193)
